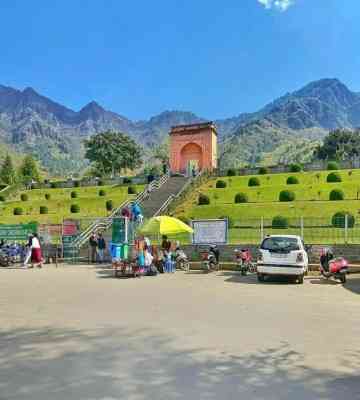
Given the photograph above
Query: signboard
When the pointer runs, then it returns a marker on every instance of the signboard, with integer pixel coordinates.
(70, 227)
(50, 232)
(119, 230)
(208, 231)
(18, 231)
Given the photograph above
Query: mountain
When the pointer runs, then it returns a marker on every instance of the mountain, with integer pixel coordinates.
(32, 123)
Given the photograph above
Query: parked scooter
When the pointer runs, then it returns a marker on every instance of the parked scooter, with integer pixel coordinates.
(244, 261)
(210, 259)
(181, 260)
(331, 267)
(4, 259)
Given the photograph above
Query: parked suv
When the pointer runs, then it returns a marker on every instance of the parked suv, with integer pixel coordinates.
(282, 255)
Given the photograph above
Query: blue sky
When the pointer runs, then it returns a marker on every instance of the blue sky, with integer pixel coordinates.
(215, 58)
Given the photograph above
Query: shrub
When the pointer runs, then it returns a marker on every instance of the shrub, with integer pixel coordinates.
(76, 183)
(100, 182)
(18, 211)
(132, 190)
(286, 195)
(54, 185)
(24, 197)
(102, 193)
(295, 168)
(2, 198)
(280, 222)
(47, 196)
(127, 181)
(263, 171)
(203, 199)
(44, 210)
(241, 198)
(292, 180)
(231, 172)
(338, 220)
(254, 181)
(332, 166)
(336, 195)
(109, 205)
(75, 208)
(73, 195)
(333, 177)
(220, 184)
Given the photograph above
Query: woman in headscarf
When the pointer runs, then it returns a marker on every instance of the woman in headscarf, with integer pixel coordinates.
(36, 254)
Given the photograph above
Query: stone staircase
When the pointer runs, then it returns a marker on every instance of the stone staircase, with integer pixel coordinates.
(157, 198)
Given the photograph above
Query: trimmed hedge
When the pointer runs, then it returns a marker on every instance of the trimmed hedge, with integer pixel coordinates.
(73, 195)
(24, 197)
(76, 183)
(338, 220)
(75, 208)
(220, 184)
(231, 172)
(295, 168)
(203, 199)
(332, 166)
(286, 195)
(100, 182)
(280, 222)
(127, 181)
(336, 195)
(333, 177)
(102, 193)
(2, 198)
(109, 205)
(18, 211)
(54, 185)
(47, 196)
(132, 190)
(292, 180)
(254, 181)
(263, 171)
(43, 210)
(241, 198)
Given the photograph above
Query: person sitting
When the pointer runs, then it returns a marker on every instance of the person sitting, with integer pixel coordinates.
(166, 244)
(214, 249)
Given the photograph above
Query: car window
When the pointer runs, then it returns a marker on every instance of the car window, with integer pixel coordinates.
(280, 244)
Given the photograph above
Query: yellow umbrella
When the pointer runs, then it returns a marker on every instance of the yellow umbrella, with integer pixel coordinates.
(166, 226)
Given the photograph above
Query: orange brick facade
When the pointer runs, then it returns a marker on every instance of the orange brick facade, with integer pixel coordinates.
(193, 147)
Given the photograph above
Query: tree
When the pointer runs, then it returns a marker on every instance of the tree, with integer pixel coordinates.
(340, 144)
(29, 170)
(161, 152)
(113, 152)
(7, 172)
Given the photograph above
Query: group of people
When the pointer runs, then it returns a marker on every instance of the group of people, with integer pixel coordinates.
(97, 246)
(133, 213)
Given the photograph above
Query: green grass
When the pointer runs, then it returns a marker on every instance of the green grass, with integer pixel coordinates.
(91, 204)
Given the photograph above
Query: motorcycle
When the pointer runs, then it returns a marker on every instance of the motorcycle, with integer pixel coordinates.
(4, 259)
(331, 267)
(209, 260)
(181, 260)
(244, 261)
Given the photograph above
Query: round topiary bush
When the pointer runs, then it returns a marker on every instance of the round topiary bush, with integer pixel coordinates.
(295, 168)
(102, 193)
(338, 220)
(231, 172)
(332, 166)
(292, 180)
(2, 198)
(263, 171)
(73, 195)
(286, 195)
(24, 197)
(333, 177)
(76, 183)
(220, 184)
(336, 195)
(131, 190)
(254, 181)
(280, 222)
(241, 198)
(203, 199)
(43, 210)
(100, 182)
(75, 208)
(127, 181)
(47, 196)
(54, 185)
(18, 211)
(109, 205)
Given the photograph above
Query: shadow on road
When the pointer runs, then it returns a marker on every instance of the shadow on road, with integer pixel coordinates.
(58, 364)
(353, 284)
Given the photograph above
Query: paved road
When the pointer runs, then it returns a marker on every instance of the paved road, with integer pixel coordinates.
(76, 334)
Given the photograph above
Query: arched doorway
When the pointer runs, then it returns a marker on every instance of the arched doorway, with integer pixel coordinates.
(191, 158)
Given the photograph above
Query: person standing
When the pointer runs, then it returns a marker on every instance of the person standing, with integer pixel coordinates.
(27, 252)
(36, 254)
(93, 247)
(101, 246)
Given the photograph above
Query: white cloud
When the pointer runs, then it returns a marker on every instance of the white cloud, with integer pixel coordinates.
(280, 5)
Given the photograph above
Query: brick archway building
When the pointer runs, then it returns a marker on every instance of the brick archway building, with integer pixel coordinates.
(193, 147)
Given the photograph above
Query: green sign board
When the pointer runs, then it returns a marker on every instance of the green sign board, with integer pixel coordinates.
(18, 231)
(119, 230)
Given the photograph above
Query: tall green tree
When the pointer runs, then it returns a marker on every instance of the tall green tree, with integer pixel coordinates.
(340, 144)
(7, 172)
(29, 169)
(113, 152)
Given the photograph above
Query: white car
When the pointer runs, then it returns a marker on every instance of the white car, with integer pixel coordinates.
(283, 255)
